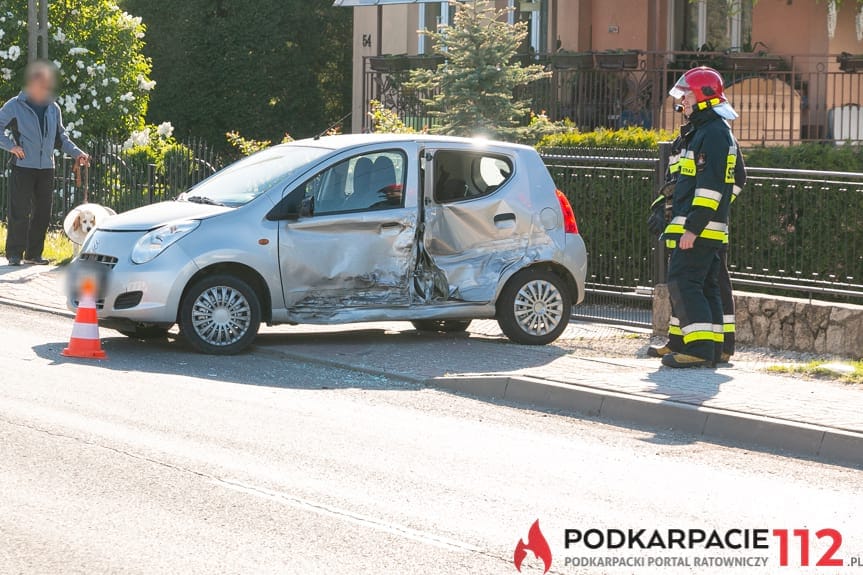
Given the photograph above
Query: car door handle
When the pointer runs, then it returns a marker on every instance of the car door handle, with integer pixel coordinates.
(507, 217)
(391, 228)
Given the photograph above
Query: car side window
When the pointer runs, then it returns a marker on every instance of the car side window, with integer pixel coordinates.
(460, 176)
(368, 182)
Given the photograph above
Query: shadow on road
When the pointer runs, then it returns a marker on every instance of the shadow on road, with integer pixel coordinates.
(388, 358)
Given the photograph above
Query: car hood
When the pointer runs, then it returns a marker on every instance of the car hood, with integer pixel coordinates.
(157, 215)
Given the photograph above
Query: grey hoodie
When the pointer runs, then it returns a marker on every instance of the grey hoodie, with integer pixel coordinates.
(17, 117)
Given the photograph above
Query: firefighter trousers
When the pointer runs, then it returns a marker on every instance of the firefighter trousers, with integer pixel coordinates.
(696, 302)
(675, 335)
(727, 294)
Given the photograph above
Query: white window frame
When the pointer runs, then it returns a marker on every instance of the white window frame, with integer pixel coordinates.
(736, 24)
(444, 13)
(736, 21)
(535, 31)
(421, 26)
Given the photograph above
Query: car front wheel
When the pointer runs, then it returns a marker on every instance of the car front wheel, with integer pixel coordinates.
(534, 307)
(220, 314)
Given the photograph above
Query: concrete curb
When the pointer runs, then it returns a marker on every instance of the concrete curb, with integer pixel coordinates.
(36, 307)
(716, 425)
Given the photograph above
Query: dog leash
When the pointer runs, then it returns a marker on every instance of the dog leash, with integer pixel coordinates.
(86, 183)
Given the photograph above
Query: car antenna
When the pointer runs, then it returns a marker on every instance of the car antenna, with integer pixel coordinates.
(339, 121)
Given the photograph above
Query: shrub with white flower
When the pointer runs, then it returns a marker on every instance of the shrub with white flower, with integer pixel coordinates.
(165, 130)
(98, 48)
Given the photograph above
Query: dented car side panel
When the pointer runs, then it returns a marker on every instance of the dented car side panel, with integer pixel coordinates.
(479, 243)
(347, 264)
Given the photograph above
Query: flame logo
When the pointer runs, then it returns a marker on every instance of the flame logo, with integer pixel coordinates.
(535, 542)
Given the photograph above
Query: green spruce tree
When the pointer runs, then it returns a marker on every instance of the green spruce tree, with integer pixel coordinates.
(474, 89)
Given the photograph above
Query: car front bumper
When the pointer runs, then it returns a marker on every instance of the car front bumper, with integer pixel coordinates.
(160, 282)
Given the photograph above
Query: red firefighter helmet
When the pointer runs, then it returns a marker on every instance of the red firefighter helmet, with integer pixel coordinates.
(709, 91)
(705, 83)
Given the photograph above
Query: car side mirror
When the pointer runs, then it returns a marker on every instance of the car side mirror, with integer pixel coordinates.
(292, 208)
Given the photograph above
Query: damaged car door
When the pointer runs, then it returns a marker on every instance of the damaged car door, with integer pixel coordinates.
(351, 245)
(475, 225)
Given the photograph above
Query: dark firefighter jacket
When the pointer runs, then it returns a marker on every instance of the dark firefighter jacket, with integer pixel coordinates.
(710, 173)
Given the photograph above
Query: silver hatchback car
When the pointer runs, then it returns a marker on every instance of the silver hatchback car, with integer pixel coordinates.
(433, 230)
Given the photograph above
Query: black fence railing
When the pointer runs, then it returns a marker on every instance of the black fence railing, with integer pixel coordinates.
(793, 232)
(123, 180)
(611, 191)
(781, 99)
(799, 232)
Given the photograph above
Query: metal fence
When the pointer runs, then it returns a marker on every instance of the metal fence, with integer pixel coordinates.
(123, 179)
(793, 232)
(611, 191)
(800, 233)
(784, 99)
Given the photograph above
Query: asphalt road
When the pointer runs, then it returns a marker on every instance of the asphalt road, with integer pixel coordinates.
(163, 461)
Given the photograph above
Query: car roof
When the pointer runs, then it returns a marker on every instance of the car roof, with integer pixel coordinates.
(345, 141)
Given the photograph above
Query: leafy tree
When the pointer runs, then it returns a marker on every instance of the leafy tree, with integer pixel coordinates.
(474, 88)
(261, 67)
(385, 121)
(104, 75)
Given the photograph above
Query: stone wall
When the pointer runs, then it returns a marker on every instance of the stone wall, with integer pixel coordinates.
(786, 323)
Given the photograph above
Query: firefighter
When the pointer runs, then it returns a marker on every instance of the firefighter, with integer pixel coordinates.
(702, 196)
(660, 216)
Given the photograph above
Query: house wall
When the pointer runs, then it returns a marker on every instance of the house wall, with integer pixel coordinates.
(629, 18)
(798, 28)
(575, 25)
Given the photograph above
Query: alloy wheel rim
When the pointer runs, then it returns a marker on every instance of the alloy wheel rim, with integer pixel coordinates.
(221, 315)
(538, 307)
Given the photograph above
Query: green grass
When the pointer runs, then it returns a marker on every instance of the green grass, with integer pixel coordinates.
(817, 369)
(58, 248)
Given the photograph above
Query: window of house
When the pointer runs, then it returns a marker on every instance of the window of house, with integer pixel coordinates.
(466, 176)
(535, 13)
(716, 25)
(368, 182)
(432, 15)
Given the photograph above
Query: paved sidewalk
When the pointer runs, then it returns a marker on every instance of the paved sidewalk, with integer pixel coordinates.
(396, 349)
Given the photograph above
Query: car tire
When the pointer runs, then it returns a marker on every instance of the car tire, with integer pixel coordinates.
(534, 307)
(220, 315)
(145, 332)
(442, 325)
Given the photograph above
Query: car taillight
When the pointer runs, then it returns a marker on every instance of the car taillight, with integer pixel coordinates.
(570, 226)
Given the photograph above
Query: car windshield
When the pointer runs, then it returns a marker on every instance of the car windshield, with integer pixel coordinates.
(247, 179)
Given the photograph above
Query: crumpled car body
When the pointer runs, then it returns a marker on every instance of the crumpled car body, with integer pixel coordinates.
(360, 228)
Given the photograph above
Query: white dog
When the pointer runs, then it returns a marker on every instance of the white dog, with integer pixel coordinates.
(82, 220)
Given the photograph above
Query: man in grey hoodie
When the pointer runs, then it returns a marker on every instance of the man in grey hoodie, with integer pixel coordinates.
(31, 128)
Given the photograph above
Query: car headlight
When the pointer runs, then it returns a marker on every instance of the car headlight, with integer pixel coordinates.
(153, 243)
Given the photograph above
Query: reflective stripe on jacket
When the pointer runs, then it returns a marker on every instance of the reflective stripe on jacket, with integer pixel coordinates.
(705, 184)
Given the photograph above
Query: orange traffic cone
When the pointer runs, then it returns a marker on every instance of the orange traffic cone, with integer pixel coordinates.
(85, 341)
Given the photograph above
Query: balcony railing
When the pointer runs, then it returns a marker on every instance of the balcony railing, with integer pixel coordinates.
(781, 99)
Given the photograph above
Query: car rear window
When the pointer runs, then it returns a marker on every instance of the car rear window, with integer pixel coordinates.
(461, 175)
